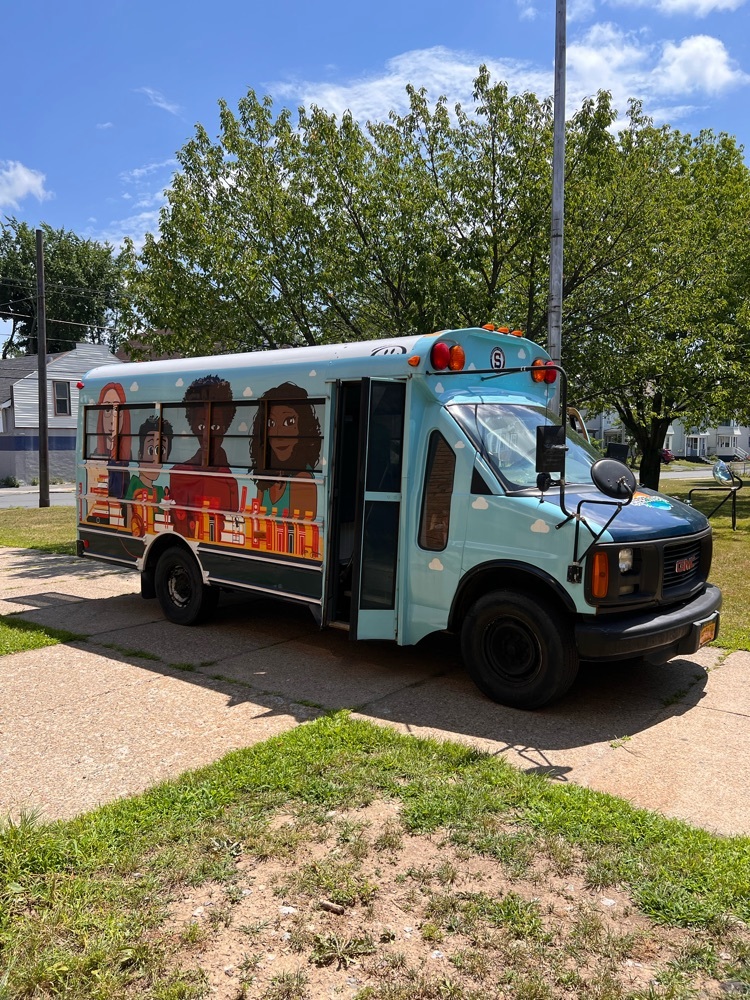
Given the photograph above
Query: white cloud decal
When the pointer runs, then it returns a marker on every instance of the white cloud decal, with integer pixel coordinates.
(480, 504)
(458, 445)
(436, 564)
(179, 383)
(313, 373)
(134, 387)
(522, 354)
(539, 526)
(472, 367)
(439, 387)
(243, 427)
(247, 392)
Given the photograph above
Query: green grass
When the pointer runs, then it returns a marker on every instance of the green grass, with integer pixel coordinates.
(731, 561)
(83, 902)
(49, 529)
(17, 635)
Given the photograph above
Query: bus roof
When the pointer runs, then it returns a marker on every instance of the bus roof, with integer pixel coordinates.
(484, 349)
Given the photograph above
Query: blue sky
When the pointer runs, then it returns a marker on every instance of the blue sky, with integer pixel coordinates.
(99, 96)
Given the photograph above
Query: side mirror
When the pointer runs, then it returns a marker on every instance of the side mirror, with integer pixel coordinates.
(550, 448)
(722, 474)
(613, 479)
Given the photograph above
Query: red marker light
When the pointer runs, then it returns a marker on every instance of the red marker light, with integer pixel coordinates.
(542, 372)
(440, 356)
(79, 385)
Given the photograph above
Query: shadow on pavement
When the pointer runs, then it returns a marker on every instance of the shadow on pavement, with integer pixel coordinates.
(274, 655)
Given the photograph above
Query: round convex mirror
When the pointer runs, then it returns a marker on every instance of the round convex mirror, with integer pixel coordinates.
(613, 479)
(723, 474)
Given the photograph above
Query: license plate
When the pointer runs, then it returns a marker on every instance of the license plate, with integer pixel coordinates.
(708, 633)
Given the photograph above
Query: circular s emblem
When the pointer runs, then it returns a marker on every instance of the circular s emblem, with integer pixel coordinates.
(497, 358)
(391, 349)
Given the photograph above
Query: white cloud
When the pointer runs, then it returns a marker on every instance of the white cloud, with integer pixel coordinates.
(580, 10)
(699, 64)
(104, 125)
(439, 70)
(689, 8)
(135, 226)
(18, 182)
(527, 11)
(540, 526)
(630, 64)
(138, 173)
(159, 100)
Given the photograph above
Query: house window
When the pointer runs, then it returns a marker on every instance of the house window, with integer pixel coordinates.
(726, 442)
(61, 397)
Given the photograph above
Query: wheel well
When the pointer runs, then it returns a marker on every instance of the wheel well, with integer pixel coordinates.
(158, 546)
(506, 576)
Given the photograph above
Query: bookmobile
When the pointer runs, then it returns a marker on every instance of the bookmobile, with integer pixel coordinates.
(397, 488)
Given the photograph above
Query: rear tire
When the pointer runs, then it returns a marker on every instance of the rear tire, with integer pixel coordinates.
(184, 597)
(518, 650)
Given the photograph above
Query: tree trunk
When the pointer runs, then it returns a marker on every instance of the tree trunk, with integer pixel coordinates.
(651, 466)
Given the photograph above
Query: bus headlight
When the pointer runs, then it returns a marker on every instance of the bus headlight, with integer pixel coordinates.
(625, 560)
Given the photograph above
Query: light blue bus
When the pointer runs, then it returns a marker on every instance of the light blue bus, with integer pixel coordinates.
(397, 488)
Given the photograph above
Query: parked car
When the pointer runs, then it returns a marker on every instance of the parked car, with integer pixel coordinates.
(666, 456)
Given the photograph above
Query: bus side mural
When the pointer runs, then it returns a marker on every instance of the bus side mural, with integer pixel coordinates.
(242, 473)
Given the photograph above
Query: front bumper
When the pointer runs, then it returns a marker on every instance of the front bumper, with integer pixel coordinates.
(657, 635)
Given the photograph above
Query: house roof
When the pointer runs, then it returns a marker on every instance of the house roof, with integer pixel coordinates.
(81, 359)
(13, 369)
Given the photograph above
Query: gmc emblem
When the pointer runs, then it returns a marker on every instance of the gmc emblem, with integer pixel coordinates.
(683, 565)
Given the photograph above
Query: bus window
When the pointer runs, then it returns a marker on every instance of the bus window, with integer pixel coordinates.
(438, 490)
(386, 437)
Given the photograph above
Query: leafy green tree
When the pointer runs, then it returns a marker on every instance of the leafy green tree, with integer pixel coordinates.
(322, 230)
(83, 285)
(656, 280)
(318, 229)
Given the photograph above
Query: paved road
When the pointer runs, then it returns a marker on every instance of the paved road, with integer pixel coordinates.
(140, 700)
(28, 496)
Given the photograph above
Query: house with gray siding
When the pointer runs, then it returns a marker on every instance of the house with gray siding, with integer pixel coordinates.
(728, 440)
(19, 411)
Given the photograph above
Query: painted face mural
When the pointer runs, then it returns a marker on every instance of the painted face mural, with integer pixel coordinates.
(111, 395)
(286, 443)
(209, 411)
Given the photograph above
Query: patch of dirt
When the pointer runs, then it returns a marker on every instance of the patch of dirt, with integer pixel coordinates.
(356, 907)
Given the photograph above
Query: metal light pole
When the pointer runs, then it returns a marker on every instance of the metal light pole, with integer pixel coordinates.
(554, 313)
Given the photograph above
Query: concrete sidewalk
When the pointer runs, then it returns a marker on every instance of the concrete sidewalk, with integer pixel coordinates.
(140, 700)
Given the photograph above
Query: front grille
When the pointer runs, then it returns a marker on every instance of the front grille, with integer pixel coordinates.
(682, 566)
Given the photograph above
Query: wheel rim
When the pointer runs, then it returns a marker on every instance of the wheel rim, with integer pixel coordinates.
(512, 650)
(179, 587)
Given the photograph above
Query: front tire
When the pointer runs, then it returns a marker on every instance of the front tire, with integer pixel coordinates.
(184, 597)
(518, 650)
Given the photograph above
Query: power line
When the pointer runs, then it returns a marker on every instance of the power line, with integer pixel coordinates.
(64, 289)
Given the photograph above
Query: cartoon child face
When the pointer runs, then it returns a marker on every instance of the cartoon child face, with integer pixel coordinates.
(152, 455)
(283, 431)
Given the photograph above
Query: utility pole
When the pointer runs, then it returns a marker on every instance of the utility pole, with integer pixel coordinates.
(41, 348)
(554, 311)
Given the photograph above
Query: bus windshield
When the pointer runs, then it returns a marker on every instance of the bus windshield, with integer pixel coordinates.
(505, 435)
